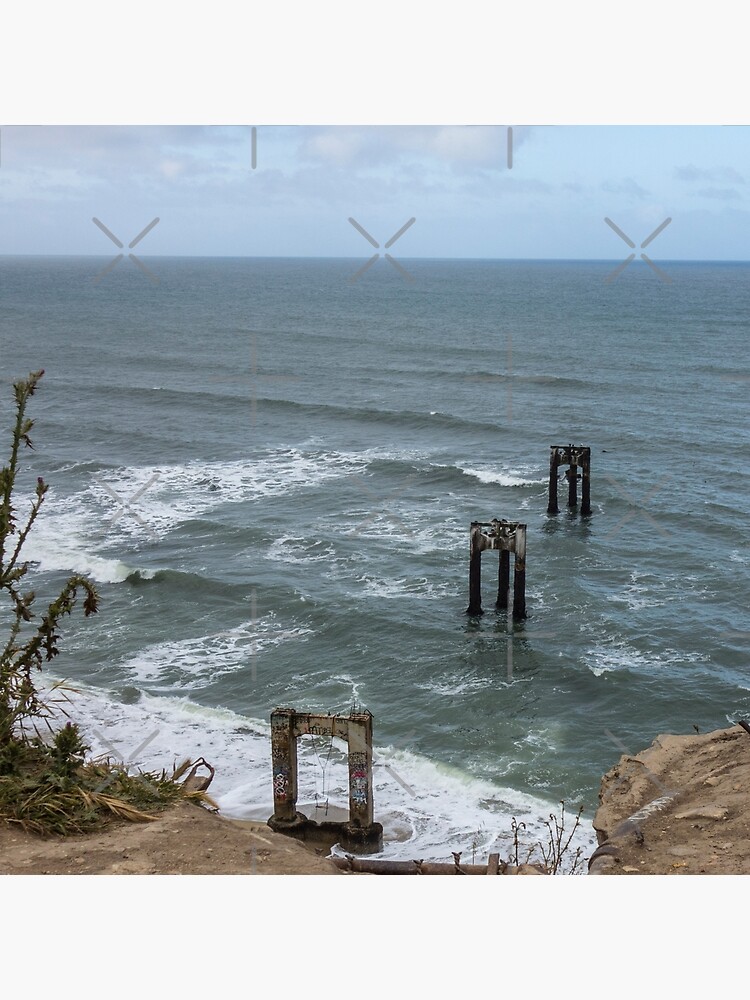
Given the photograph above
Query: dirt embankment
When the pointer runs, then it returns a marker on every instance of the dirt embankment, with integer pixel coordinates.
(678, 808)
(184, 840)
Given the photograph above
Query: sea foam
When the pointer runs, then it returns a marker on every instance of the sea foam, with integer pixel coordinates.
(428, 809)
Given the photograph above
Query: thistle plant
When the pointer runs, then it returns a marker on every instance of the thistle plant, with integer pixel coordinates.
(556, 856)
(47, 785)
(32, 639)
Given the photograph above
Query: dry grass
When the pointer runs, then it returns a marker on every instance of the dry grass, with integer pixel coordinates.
(51, 789)
(556, 854)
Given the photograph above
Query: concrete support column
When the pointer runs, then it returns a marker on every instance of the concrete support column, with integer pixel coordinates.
(519, 573)
(284, 761)
(552, 507)
(475, 570)
(586, 486)
(360, 772)
(503, 580)
(573, 486)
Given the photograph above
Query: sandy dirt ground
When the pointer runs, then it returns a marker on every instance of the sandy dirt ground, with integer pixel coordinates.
(678, 808)
(187, 839)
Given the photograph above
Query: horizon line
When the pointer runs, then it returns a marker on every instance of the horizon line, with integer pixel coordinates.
(571, 260)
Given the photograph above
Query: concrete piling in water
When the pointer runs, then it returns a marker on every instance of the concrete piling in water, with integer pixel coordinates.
(475, 570)
(519, 573)
(360, 833)
(586, 485)
(572, 476)
(575, 457)
(503, 580)
(505, 537)
(552, 507)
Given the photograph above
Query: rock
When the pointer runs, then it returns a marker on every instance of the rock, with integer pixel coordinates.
(529, 870)
(603, 864)
(704, 812)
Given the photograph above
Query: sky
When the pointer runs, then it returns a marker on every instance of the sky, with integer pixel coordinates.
(289, 191)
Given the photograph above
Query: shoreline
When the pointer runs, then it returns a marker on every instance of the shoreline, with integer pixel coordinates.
(677, 807)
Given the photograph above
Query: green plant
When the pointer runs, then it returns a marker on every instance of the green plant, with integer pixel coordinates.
(51, 789)
(47, 786)
(31, 640)
(68, 751)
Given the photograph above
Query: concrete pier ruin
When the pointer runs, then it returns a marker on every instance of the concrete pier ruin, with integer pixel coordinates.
(505, 537)
(360, 834)
(575, 457)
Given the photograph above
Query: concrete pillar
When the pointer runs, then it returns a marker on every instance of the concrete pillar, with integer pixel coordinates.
(475, 570)
(552, 507)
(284, 761)
(586, 486)
(519, 573)
(572, 486)
(360, 772)
(503, 580)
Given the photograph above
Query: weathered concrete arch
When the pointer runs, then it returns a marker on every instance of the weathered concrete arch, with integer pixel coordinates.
(287, 725)
(506, 537)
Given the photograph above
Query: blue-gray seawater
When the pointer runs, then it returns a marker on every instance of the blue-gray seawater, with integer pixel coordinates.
(270, 471)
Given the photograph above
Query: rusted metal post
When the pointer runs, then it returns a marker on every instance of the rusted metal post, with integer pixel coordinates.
(552, 507)
(284, 760)
(586, 484)
(475, 570)
(503, 580)
(519, 573)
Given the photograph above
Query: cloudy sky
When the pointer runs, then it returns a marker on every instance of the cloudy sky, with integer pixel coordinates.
(307, 182)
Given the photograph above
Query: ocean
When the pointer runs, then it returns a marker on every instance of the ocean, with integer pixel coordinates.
(269, 468)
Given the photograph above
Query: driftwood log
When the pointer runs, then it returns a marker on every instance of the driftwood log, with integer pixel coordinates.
(194, 783)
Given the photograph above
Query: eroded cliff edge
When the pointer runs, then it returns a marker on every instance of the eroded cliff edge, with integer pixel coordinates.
(680, 807)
